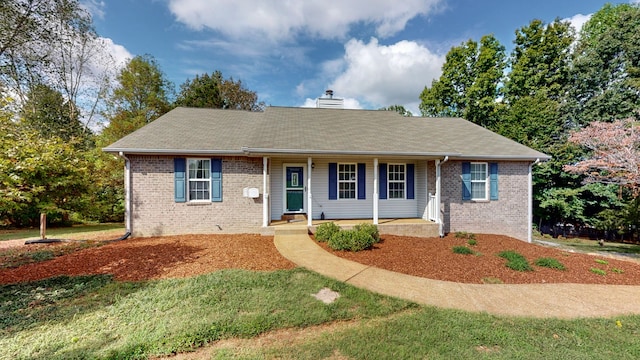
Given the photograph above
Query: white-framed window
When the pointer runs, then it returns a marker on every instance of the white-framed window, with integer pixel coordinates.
(347, 181)
(396, 181)
(479, 181)
(199, 179)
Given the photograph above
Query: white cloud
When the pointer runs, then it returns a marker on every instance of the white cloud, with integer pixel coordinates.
(278, 20)
(94, 7)
(384, 75)
(578, 20)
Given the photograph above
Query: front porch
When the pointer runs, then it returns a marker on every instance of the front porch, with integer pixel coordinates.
(402, 227)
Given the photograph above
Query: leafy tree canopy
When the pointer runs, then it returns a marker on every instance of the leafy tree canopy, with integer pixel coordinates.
(216, 92)
(469, 84)
(399, 109)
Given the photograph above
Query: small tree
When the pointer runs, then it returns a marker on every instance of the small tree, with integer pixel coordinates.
(615, 153)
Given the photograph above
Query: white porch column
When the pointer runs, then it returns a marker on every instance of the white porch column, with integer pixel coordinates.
(438, 191)
(265, 192)
(376, 191)
(309, 195)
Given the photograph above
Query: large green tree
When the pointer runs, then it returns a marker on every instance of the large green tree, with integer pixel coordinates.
(47, 112)
(38, 174)
(606, 67)
(469, 86)
(214, 91)
(142, 95)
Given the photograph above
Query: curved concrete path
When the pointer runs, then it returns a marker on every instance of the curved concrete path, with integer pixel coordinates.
(530, 300)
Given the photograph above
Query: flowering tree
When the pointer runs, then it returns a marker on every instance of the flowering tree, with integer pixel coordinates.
(615, 153)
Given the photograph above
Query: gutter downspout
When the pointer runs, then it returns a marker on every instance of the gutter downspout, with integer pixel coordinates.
(438, 195)
(530, 205)
(127, 194)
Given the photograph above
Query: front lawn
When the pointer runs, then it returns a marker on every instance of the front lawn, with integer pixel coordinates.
(96, 317)
(74, 232)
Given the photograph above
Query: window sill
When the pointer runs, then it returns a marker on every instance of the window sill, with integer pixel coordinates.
(199, 203)
(480, 201)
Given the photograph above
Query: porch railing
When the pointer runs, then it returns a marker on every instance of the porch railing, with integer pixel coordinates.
(433, 207)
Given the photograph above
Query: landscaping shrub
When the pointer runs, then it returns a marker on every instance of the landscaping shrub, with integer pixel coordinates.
(325, 231)
(370, 229)
(550, 263)
(598, 271)
(462, 250)
(465, 235)
(351, 240)
(515, 261)
(472, 242)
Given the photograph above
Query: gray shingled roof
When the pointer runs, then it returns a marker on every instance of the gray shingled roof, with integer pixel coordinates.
(282, 130)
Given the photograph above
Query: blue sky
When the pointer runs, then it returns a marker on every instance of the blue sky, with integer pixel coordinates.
(372, 53)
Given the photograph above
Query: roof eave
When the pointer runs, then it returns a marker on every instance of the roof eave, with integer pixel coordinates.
(267, 151)
(172, 151)
(542, 157)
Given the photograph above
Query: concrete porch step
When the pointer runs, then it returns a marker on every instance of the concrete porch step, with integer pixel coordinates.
(294, 217)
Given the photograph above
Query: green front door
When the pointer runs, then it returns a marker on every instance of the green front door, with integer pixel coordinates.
(294, 189)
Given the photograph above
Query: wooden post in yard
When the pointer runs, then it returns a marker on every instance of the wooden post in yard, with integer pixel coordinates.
(43, 226)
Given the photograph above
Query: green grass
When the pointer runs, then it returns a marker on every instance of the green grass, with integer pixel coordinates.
(94, 317)
(515, 261)
(550, 263)
(598, 271)
(462, 250)
(584, 245)
(448, 334)
(74, 231)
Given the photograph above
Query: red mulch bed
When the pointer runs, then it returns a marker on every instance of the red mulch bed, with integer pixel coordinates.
(190, 255)
(433, 258)
(157, 257)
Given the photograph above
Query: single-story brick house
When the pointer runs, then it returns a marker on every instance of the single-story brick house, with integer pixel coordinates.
(207, 171)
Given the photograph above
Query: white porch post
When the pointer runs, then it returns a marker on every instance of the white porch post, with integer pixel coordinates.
(309, 195)
(376, 191)
(438, 196)
(265, 192)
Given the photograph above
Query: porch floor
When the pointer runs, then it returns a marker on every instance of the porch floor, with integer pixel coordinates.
(403, 227)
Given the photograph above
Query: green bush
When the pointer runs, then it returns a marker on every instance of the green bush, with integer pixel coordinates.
(325, 231)
(462, 250)
(598, 271)
(351, 240)
(465, 235)
(472, 242)
(550, 263)
(515, 261)
(370, 229)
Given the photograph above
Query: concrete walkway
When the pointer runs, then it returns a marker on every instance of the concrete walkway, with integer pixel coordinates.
(530, 300)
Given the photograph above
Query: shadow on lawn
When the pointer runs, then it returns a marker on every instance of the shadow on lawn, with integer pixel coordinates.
(25, 305)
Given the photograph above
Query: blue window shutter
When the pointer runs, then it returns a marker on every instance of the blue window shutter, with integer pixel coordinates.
(362, 181)
(216, 180)
(410, 181)
(466, 181)
(383, 181)
(333, 181)
(493, 181)
(179, 179)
